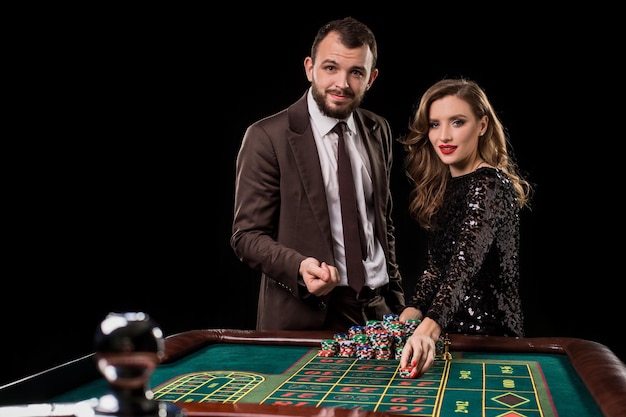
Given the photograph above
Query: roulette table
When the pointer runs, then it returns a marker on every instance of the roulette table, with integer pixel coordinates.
(229, 372)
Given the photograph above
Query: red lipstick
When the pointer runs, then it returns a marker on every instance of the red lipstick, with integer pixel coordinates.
(447, 149)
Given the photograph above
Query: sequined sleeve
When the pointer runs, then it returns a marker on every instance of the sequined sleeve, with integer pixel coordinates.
(471, 283)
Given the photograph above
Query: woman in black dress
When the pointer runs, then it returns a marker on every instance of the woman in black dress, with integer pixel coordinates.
(467, 195)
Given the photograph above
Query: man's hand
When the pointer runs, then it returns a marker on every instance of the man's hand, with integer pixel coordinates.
(319, 278)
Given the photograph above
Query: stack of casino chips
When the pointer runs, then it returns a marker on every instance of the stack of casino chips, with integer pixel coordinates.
(364, 349)
(397, 331)
(329, 347)
(409, 327)
(382, 342)
(354, 330)
(372, 325)
(373, 328)
(346, 345)
(390, 318)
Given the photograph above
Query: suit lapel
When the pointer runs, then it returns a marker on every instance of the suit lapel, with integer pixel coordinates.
(302, 143)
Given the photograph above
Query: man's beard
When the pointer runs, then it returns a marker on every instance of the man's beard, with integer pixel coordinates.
(337, 113)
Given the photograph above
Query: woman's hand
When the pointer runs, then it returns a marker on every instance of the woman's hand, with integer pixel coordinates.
(410, 313)
(419, 352)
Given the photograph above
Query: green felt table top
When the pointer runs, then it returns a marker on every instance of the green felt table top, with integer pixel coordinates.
(536, 384)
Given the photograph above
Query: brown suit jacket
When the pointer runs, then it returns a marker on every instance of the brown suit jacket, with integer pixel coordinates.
(281, 216)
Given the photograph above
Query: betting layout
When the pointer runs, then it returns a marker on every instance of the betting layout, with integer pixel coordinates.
(470, 387)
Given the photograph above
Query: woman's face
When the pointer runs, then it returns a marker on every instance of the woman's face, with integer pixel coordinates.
(453, 133)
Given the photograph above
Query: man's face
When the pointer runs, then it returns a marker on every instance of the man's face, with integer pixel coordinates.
(339, 76)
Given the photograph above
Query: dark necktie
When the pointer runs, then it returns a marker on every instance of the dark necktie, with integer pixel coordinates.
(352, 228)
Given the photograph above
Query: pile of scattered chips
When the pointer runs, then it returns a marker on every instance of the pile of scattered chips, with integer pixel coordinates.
(376, 340)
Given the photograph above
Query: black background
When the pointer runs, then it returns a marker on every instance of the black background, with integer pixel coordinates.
(120, 175)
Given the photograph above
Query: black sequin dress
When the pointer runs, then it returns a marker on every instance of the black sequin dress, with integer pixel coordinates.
(471, 282)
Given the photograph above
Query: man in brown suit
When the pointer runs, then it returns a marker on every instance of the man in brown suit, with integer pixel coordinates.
(287, 216)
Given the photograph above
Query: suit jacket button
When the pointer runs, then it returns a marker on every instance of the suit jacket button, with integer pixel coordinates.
(322, 306)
